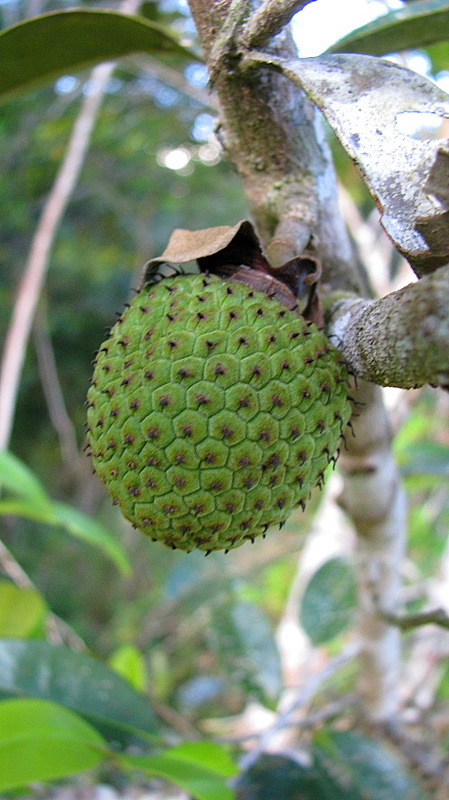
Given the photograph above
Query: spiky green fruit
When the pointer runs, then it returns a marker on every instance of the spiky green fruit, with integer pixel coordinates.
(213, 412)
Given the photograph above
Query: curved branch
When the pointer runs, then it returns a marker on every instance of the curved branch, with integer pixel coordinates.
(269, 20)
(400, 340)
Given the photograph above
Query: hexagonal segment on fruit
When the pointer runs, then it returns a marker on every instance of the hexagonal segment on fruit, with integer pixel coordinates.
(246, 454)
(212, 453)
(216, 480)
(264, 429)
(169, 399)
(275, 398)
(154, 481)
(227, 427)
(177, 344)
(183, 481)
(182, 453)
(187, 371)
(222, 368)
(210, 343)
(255, 370)
(205, 397)
(157, 428)
(243, 399)
(190, 425)
(200, 503)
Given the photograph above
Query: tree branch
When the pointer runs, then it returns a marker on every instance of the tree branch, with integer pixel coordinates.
(272, 135)
(400, 340)
(269, 20)
(407, 622)
(374, 498)
(37, 263)
(53, 394)
(304, 696)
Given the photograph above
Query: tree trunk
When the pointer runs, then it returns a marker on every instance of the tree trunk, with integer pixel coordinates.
(272, 135)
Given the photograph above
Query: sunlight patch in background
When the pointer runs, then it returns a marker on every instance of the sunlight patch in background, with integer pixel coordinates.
(322, 22)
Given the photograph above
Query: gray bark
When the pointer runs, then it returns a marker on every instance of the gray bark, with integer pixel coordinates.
(400, 340)
(272, 135)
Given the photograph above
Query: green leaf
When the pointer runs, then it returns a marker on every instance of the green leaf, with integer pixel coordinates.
(129, 662)
(207, 754)
(44, 47)
(426, 458)
(79, 682)
(22, 611)
(280, 777)
(345, 766)
(243, 638)
(200, 782)
(33, 503)
(18, 479)
(89, 530)
(41, 741)
(28, 510)
(363, 768)
(417, 24)
(328, 601)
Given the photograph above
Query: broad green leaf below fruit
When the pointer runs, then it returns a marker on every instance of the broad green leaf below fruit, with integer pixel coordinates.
(79, 682)
(41, 741)
(363, 767)
(17, 478)
(208, 755)
(341, 765)
(201, 782)
(129, 662)
(22, 611)
(42, 48)
(26, 497)
(416, 24)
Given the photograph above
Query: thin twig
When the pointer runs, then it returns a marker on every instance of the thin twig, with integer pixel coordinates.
(407, 622)
(309, 722)
(305, 696)
(57, 630)
(53, 394)
(33, 277)
(175, 79)
(38, 259)
(28, 296)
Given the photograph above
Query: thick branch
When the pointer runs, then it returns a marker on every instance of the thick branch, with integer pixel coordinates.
(272, 135)
(269, 20)
(399, 340)
(375, 500)
(407, 622)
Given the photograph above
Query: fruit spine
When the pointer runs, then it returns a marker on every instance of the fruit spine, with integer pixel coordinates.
(213, 411)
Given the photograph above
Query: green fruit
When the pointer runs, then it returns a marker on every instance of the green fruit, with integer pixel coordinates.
(213, 412)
